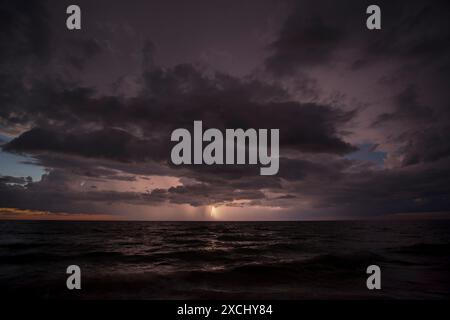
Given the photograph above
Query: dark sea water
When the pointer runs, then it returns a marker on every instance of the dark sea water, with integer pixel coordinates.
(254, 260)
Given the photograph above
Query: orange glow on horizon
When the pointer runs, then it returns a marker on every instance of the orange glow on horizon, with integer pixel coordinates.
(25, 214)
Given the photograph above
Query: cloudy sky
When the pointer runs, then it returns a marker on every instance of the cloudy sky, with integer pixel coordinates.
(86, 116)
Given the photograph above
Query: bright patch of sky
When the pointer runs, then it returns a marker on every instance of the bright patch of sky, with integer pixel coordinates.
(18, 166)
(367, 152)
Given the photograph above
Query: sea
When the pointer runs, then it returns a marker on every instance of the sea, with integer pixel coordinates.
(225, 260)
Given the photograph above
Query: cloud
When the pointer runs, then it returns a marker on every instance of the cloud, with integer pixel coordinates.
(419, 129)
(15, 180)
(170, 99)
(25, 31)
(303, 42)
(324, 33)
(109, 150)
(408, 109)
(107, 143)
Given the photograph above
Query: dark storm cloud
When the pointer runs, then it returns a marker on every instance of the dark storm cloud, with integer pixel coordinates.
(409, 189)
(81, 51)
(79, 132)
(421, 130)
(24, 41)
(15, 180)
(109, 143)
(427, 144)
(25, 32)
(317, 32)
(425, 129)
(421, 31)
(174, 98)
(337, 190)
(38, 62)
(415, 38)
(169, 98)
(303, 42)
(310, 36)
(54, 196)
(54, 193)
(408, 109)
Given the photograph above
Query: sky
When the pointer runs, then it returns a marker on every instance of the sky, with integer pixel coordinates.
(86, 115)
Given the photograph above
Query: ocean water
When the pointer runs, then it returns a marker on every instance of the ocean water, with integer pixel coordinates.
(225, 260)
